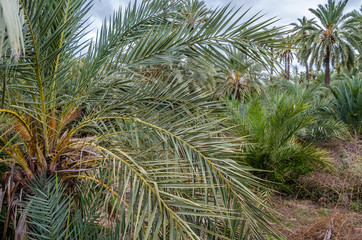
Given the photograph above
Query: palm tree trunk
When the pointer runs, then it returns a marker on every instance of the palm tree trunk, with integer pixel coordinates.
(288, 74)
(286, 67)
(327, 71)
(307, 73)
(272, 67)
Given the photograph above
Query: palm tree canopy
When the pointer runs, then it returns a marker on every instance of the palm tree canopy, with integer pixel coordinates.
(301, 32)
(354, 24)
(304, 26)
(331, 14)
(331, 35)
(158, 142)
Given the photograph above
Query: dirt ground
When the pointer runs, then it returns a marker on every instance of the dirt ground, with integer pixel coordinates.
(331, 206)
(307, 220)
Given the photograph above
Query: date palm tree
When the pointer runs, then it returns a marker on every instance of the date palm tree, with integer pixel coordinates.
(285, 54)
(302, 30)
(331, 41)
(80, 121)
(244, 75)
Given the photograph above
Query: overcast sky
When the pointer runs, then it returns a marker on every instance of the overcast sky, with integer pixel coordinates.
(286, 10)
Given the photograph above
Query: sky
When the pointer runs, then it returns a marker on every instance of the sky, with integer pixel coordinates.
(290, 10)
(287, 11)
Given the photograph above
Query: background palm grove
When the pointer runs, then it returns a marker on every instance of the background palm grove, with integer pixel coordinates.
(177, 121)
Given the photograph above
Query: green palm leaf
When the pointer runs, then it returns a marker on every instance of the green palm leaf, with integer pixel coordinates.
(47, 209)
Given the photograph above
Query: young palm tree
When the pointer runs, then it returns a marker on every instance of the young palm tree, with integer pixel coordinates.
(271, 123)
(302, 31)
(331, 41)
(244, 75)
(347, 101)
(151, 147)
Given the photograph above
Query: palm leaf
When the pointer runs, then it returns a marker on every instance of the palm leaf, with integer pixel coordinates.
(47, 210)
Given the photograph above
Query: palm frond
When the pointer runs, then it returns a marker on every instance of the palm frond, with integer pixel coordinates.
(47, 209)
(348, 102)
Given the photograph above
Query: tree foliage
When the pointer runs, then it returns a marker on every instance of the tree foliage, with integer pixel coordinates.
(72, 109)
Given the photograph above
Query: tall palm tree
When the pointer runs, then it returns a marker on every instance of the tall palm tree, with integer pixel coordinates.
(302, 30)
(276, 44)
(331, 41)
(153, 149)
(285, 54)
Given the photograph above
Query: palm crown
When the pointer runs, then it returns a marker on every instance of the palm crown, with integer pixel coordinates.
(153, 147)
(331, 41)
(302, 31)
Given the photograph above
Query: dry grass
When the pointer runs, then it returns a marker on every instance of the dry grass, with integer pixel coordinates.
(342, 226)
(338, 226)
(343, 186)
(306, 220)
(333, 210)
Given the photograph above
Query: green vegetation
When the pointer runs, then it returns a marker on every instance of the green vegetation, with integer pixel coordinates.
(348, 101)
(331, 41)
(177, 122)
(272, 124)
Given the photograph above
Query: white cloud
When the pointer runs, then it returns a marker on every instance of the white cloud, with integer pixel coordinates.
(287, 11)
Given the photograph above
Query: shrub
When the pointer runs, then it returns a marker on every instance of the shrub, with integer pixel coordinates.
(347, 102)
(323, 123)
(271, 125)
